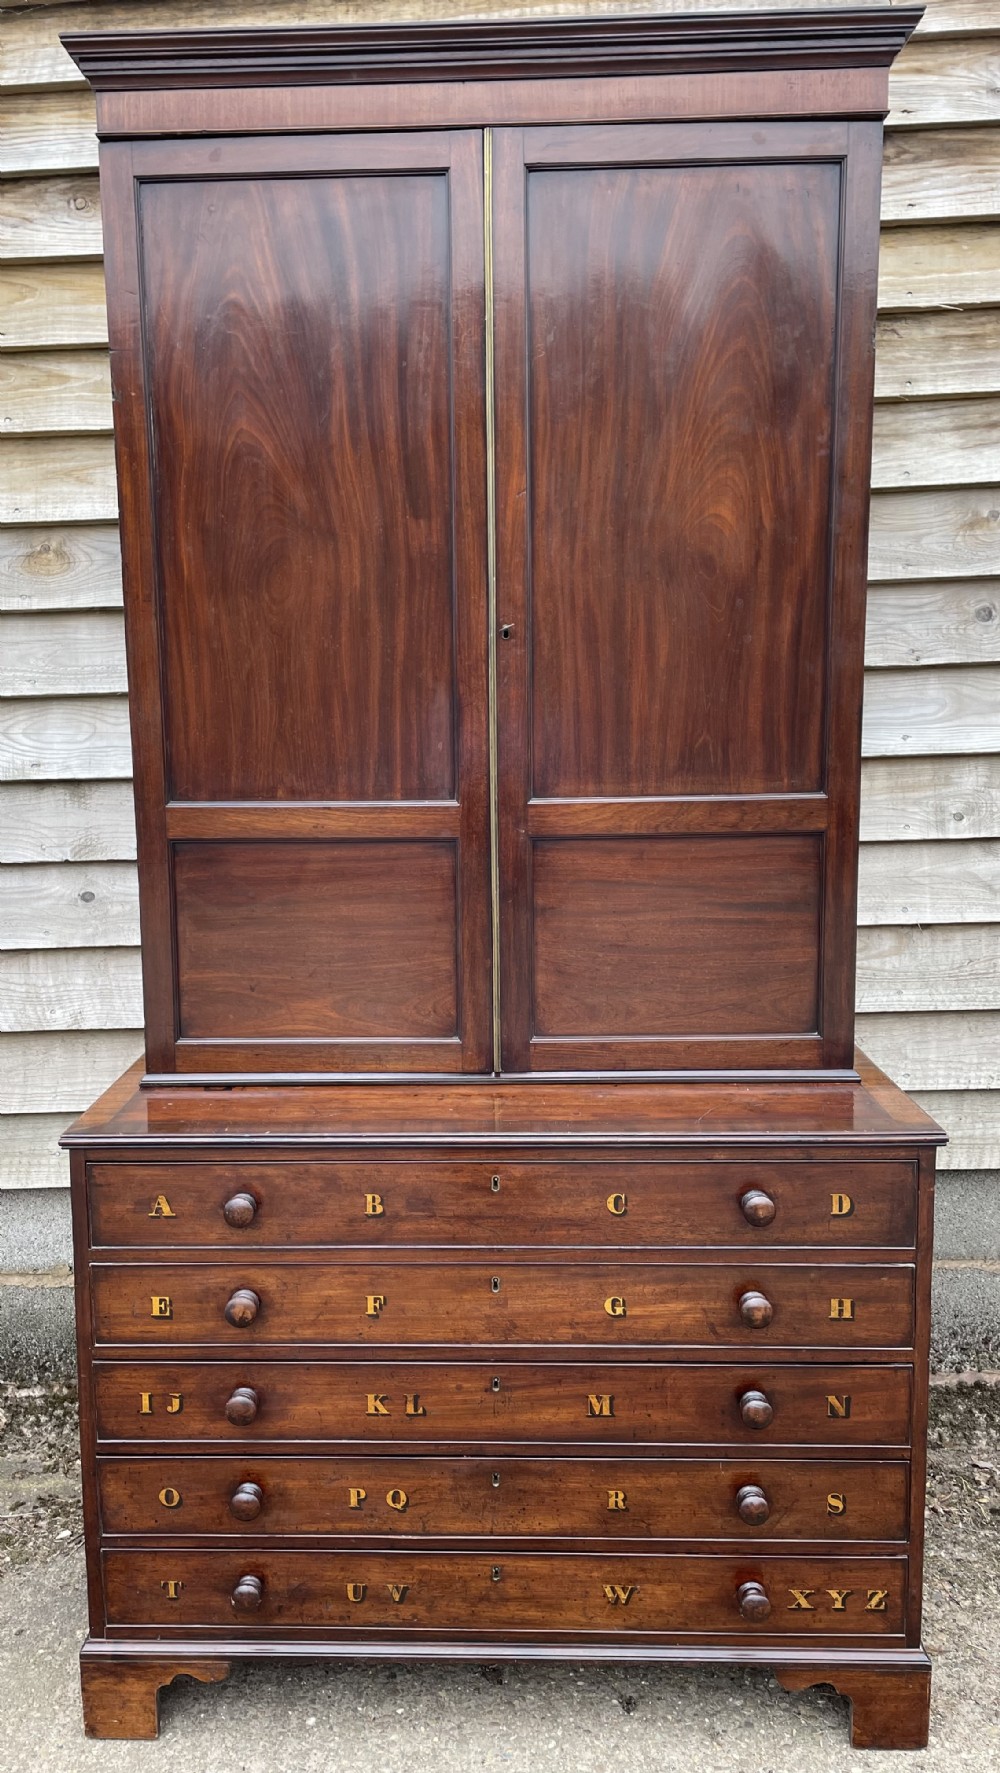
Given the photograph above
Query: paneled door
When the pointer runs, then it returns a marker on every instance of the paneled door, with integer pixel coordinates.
(301, 318)
(683, 388)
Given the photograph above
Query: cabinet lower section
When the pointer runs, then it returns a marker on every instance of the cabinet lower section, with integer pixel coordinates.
(478, 1435)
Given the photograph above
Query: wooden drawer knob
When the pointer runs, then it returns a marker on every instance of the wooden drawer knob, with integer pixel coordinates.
(243, 1406)
(248, 1593)
(752, 1505)
(755, 1410)
(757, 1207)
(752, 1600)
(242, 1308)
(247, 1501)
(755, 1310)
(241, 1210)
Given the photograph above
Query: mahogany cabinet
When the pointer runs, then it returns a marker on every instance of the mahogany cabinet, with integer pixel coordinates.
(502, 1251)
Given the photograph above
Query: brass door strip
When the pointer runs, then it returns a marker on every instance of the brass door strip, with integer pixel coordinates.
(491, 590)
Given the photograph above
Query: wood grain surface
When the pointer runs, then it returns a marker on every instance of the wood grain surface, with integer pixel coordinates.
(385, 1303)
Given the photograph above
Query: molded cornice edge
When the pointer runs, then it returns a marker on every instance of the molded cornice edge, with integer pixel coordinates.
(564, 48)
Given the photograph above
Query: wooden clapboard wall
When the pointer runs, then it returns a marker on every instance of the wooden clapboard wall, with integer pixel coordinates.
(928, 981)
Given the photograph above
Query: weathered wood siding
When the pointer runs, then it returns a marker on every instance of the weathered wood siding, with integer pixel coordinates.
(928, 978)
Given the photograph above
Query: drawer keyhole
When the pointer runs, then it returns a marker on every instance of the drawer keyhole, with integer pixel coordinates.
(495, 1284)
(494, 1185)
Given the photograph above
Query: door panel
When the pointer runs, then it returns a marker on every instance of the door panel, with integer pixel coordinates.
(681, 331)
(681, 359)
(311, 508)
(312, 588)
(669, 934)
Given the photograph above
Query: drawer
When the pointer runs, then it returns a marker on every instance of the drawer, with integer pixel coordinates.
(241, 1204)
(416, 1403)
(610, 1498)
(612, 1593)
(499, 1304)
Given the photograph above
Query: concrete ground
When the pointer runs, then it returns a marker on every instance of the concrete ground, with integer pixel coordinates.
(549, 1719)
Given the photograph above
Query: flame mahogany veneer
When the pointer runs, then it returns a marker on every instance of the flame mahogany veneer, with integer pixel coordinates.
(503, 1251)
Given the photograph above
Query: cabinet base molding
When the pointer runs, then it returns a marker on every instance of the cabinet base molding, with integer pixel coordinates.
(890, 1699)
(890, 1707)
(121, 1694)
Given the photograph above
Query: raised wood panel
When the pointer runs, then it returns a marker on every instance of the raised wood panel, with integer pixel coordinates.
(62, 654)
(675, 936)
(52, 391)
(953, 1050)
(911, 799)
(945, 622)
(70, 988)
(971, 1118)
(947, 708)
(929, 883)
(939, 267)
(50, 218)
(935, 535)
(45, 1073)
(365, 673)
(52, 305)
(67, 567)
(57, 480)
(945, 81)
(943, 967)
(47, 132)
(675, 356)
(29, 1151)
(64, 739)
(69, 905)
(941, 175)
(954, 352)
(936, 442)
(346, 942)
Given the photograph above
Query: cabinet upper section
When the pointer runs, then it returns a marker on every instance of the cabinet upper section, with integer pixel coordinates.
(493, 410)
